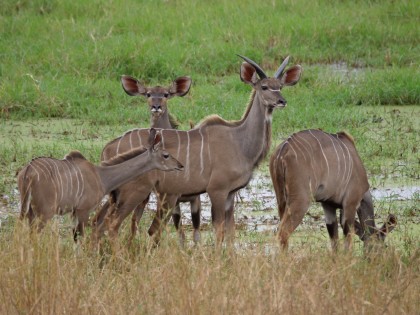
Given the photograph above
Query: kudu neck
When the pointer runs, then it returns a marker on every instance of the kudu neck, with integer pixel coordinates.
(255, 130)
(116, 175)
(162, 121)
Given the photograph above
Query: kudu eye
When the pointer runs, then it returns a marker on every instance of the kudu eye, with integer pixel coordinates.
(166, 95)
(264, 87)
(148, 95)
(165, 155)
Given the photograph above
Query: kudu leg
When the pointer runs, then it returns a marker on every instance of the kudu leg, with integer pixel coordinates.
(98, 223)
(164, 210)
(135, 219)
(30, 215)
(347, 222)
(218, 208)
(332, 224)
(196, 217)
(292, 217)
(176, 217)
(82, 219)
(121, 209)
(230, 218)
(43, 219)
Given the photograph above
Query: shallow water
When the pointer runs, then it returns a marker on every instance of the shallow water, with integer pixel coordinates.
(255, 205)
(396, 193)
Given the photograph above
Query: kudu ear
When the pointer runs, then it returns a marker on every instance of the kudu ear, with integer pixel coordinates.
(131, 86)
(180, 86)
(291, 76)
(248, 73)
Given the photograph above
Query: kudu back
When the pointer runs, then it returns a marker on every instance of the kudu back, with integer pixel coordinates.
(315, 165)
(219, 156)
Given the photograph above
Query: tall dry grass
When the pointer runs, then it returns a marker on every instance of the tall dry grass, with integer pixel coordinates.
(48, 274)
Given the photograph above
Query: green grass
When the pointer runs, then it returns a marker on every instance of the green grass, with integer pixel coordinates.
(64, 59)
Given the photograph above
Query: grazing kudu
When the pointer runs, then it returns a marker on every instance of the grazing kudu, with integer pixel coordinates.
(157, 98)
(49, 186)
(219, 156)
(315, 165)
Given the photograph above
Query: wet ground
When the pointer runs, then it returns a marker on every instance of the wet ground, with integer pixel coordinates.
(255, 205)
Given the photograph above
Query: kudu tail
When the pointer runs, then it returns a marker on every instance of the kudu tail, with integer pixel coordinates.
(25, 207)
(25, 189)
(278, 176)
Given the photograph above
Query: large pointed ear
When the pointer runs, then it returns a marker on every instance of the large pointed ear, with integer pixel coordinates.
(248, 73)
(131, 86)
(291, 76)
(180, 86)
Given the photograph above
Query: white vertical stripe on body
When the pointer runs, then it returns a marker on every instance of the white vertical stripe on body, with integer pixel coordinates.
(336, 153)
(344, 160)
(291, 147)
(131, 141)
(187, 162)
(201, 152)
(139, 137)
(67, 177)
(59, 178)
(323, 154)
(311, 156)
(179, 144)
(35, 170)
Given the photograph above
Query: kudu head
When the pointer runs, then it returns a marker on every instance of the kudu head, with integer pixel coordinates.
(157, 96)
(160, 157)
(387, 227)
(374, 233)
(268, 89)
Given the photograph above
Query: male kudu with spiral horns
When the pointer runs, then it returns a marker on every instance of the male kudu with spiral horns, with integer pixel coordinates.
(219, 156)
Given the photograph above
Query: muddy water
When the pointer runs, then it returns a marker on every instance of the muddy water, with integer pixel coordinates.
(255, 205)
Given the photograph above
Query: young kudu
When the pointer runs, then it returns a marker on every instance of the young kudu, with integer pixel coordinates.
(157, 98)
(219, 156)
(49, 186)
(315, 165)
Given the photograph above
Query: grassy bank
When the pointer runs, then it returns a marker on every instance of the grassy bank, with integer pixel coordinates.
(64, 59)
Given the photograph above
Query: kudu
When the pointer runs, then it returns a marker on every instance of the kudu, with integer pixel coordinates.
(49, 186)
(315, 165)
(157, 98)
(219, 156)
